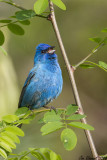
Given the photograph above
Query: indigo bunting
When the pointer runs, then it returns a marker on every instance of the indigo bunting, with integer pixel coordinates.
(44, 82)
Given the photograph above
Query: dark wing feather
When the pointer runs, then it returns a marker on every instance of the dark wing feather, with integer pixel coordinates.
(30, 76)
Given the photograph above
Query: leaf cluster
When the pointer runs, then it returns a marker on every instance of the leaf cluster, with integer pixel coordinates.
(100, 43)
(10, 132)
(64, 119)
(38, 153)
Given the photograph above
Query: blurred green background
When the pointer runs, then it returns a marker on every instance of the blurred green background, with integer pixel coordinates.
(82, 20)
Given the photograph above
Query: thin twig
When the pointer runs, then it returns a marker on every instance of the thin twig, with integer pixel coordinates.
(72, 79)
(90, 54)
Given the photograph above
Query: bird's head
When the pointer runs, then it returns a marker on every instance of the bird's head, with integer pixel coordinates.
(44, 53)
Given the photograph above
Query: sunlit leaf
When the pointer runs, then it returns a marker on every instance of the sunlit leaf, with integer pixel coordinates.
(49, 117)
(15, 130)
(10, 118)
(103, 64)
(11, 136)
(16, 29)
(76, 117)
(71, 109)
(2, 38)
(14, 158)
(87, 66)
(69, 139)
(104, 30)
(40, 6)
(3, 153)
(81, 125)
(3, 50)
(21, 111)
(95, 39)
(5, 146)
(38, 155)
(59, 157)
(25, 158)
(24, 15)
(45, 152)
(53, 155)
(8, 141)
(22, 153)
(59, 3)
(51, 127)
(25, 121)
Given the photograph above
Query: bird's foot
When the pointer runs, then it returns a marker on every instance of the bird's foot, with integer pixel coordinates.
(51, 108)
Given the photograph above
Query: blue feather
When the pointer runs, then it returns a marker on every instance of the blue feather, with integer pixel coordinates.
(44, 82)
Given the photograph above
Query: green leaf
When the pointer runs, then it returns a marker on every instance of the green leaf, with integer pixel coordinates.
(45, 152)
(51, 118)
(59, 3)
(104, 30)
(21, 111)
(40, 6)
(103, 64)
(38, 155)
(53, 156)
(8, 141)
(16, 29)
(3, 50)
(2, 38)
(15, 130)
(24, 121)
(81, 125)
(51, 127)
(32, 149)
(5, 146)
(59, 157)
(14, 158)
(52, 112)
(22, 153)
(10, 118)
(3, 153)
(95, 39)
(11, 136)
(25, 158)
(87, 66)
(76, 117)
(69, 139)
(25, 22)
(24, 15)
(71, 109)
(5, 21)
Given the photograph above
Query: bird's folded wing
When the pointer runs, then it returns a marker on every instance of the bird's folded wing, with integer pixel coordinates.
(29, 78)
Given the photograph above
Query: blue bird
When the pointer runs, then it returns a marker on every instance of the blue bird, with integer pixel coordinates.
(44, 82)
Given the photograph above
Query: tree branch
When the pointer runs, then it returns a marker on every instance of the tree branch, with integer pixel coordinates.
(72, 79)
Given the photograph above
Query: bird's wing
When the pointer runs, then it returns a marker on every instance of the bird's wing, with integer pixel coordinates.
(30, 76)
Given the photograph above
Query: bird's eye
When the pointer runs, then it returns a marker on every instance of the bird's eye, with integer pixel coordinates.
(43, 51)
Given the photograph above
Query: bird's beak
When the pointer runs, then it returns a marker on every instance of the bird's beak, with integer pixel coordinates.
(51, 51)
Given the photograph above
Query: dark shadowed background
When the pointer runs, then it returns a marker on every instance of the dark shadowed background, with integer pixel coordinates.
(82, 20)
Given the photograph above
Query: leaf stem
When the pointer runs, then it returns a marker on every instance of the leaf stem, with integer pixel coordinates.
(96, 65)
(72, 79)
(93, 51)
